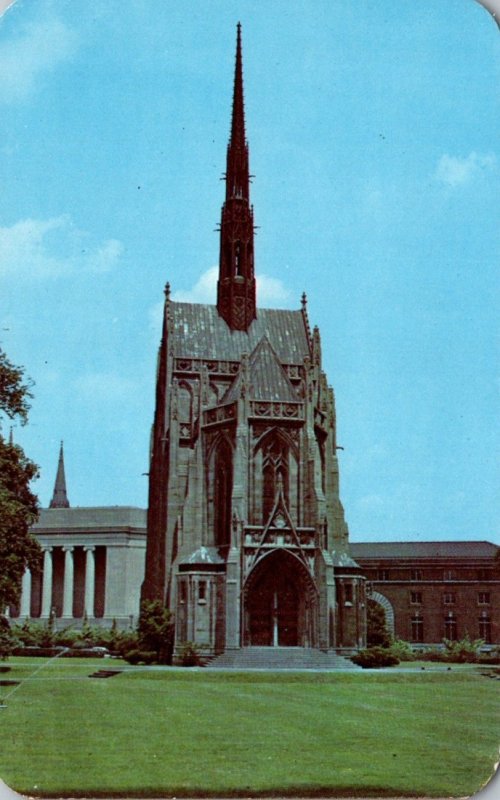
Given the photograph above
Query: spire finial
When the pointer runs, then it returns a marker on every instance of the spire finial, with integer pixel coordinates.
(303, 300)
(238, 117)
(236, 300)
(60, 497)
(167, 291)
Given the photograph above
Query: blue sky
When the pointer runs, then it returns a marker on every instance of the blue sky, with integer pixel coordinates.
(373, 130)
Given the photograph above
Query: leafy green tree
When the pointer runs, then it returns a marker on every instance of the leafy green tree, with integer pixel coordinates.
(155, 630)
(377, 634)
(18, 505)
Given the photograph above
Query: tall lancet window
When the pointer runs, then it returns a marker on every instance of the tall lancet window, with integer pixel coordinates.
(222, 480)
(275, 475)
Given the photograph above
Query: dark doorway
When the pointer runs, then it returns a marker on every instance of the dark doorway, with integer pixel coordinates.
(279, 600)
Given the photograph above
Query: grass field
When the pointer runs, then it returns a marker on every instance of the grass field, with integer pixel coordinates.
(180, 733)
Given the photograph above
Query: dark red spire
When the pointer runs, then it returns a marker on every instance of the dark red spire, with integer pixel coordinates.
(236, 301)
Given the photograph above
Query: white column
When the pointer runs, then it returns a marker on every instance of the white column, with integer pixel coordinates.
(89, 582)
(25, 609)
(47, 583)
(68, 582)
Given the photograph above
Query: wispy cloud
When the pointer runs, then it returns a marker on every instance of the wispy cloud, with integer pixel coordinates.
(454, 171)
(203, 291)
(37, 51)
(269, 290)
(51, 248)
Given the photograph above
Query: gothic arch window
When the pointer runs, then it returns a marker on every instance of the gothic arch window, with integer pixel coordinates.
(185, 402)
(220, 488)
(274, 475)
(275, 469)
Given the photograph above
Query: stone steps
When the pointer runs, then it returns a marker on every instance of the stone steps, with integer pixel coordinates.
(298, 658)
(105, 673)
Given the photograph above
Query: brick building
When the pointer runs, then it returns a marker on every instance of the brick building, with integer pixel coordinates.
(435, 590)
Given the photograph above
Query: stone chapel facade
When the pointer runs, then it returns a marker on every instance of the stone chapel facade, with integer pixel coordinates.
(247, 541)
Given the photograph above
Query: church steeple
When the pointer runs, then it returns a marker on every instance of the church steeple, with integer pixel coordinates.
(236, 300)
(60, 497)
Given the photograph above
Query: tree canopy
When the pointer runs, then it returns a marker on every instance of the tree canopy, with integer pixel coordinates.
(18, 505)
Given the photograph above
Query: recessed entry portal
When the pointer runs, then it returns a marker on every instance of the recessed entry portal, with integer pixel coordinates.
(280, 603)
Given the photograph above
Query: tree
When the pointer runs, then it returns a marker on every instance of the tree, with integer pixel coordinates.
(155, 630)
(18, 505)
(377, 633)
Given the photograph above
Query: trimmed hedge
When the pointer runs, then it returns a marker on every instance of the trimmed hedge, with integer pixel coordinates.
(374, 658)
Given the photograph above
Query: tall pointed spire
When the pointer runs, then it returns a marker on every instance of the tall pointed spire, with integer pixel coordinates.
(60, 497)
(236, 299)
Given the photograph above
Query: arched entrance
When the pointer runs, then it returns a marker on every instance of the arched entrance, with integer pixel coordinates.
(280, 601)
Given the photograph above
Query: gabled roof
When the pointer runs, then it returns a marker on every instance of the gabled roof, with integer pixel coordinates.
(199, 332)
(415, 550)
(267, 380)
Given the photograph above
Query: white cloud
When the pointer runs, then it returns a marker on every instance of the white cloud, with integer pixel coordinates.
(105, 257)
(454, 171)
(204, 290)
(269, 290)
(51, 248)
(42, 46)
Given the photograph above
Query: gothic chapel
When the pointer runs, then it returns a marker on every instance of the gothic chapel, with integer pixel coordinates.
(247, 542)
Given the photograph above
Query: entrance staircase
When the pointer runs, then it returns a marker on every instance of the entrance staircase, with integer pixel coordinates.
(277, 658)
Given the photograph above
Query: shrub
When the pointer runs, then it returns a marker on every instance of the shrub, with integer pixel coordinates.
(434, 654)
(493, 657)
(37, 634)
(376, 627)
(67, 637)
(402, 650)
(189, 655)
(375, 657)
(465, 650)
(141, 657)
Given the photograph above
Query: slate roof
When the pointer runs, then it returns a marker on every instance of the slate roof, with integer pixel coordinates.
(199, 332)
(267, 378)
(98, 517)
(424, 550)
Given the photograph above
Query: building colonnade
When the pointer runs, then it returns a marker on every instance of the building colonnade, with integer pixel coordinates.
(66, 586)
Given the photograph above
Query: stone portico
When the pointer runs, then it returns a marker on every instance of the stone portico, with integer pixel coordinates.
(93, 565)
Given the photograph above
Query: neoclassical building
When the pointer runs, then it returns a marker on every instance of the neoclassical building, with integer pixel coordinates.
(247, 540)
(93, 563)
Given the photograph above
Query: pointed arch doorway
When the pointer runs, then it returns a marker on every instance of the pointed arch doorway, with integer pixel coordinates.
(280, 603)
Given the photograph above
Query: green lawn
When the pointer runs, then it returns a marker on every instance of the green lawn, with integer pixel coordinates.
(186, 733)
